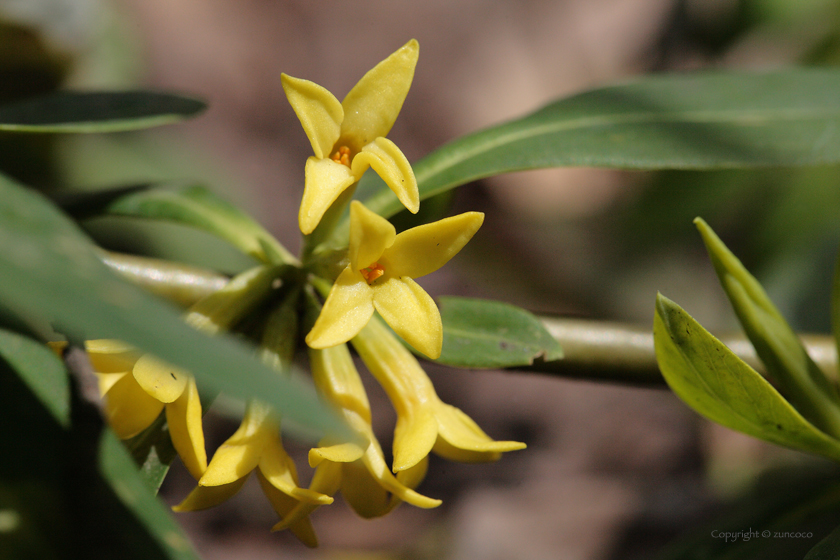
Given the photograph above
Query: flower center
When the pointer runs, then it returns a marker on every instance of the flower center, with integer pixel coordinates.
(372, 272)
(342, 155)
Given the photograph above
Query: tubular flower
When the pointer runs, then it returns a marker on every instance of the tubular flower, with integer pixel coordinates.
(358, 470)
(381, 275)
(137, 387)
(348, 137)
(255, 445)
(424, 422)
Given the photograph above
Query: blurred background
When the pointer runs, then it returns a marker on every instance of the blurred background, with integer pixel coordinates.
(610, 471)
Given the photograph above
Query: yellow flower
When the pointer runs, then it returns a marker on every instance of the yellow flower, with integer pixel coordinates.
(349, 136)
(358, 471)
(424, 422)
(255, 445)
(137, 387)
(381, 275)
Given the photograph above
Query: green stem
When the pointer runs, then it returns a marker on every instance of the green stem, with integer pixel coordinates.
(621, 352)
(593, 350)
(179, 283)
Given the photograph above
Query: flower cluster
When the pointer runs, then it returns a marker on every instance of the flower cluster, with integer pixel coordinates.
(372, 303)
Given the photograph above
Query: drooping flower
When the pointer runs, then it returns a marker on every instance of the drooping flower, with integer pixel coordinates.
(255, 445)
(347, 137)
(137, 387)
(357, 469)
(380, 276)
(424, 422)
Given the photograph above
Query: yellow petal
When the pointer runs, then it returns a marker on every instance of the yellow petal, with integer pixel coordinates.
(240, 454)
(284, 505)
(393, 365)
(341, 453)
(108, 380)
(391, 164)
(279, 470)
(204, 497)
(460, 438)
(375, 464)
(108, 346)
(111, 356)
(408, 387)
(326, 480)
(325, 180)
(424, 249)
(336, 378)
(370, 235)
(161, 380)
(129, 409)
(106, 355)
(411, 312)
(373, 104)
(367, 497)
(414, 438)
(347, 310)
(410, 478)
(319, 112)
(184, 419)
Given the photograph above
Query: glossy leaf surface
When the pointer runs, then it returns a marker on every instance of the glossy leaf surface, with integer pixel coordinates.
(69, 488)
(681, 121)
(713, 381)
(74, 112)
(41, 370)
(199, 207)
(779, 348)
(50, 271)
(489, 334)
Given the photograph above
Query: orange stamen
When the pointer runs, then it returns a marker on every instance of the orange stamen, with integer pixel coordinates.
(342, 156)
(372, 272)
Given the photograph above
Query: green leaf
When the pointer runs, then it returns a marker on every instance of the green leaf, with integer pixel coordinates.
(73, 111)
(153, 451)
(681, 121)
(835, 304)
(199, 207)
(50, 271)
(488, 334)
(69, 489)
(120, 472)
(42, 371)
(781, 351)
(713, 381)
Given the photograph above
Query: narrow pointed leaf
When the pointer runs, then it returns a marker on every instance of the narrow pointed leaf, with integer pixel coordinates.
(835, 305)
(199, 207)
(713, 381)
(775, 342)
(42, 371)
(121, 473)
(489, 334)
(74, 111)
(153, 451)
(709, 120)
(50, 271)
(51, 466)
